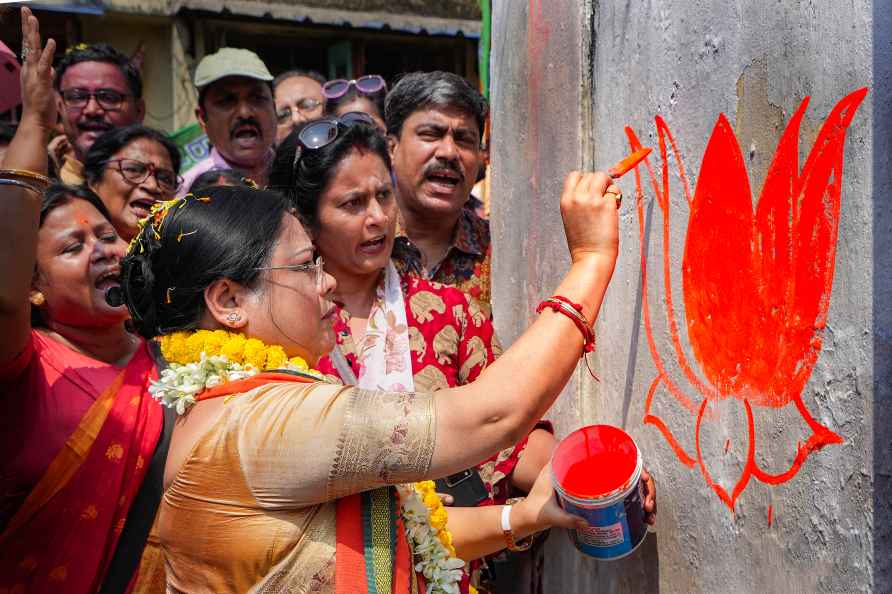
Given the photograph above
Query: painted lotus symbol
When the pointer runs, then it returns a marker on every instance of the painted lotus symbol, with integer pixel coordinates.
(756, 287)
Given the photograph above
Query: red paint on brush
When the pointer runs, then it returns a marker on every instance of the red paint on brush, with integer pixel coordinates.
(756, 283)
(770, 510)
(727, 445)
(595, 461)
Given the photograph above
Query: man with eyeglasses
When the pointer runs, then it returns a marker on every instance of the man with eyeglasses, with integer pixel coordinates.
(237, 112)
(97, 89)
(298, 95)
(435, 124)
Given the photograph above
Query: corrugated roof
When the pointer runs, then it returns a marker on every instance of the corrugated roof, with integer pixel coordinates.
(434, 17)
(400, 15)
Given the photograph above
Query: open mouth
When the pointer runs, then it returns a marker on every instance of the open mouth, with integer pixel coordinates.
(246, 136)
(142, 206)
(108, 279)
(373, 246)
(444, 179)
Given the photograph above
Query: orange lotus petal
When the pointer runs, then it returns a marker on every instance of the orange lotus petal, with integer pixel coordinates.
(656, 421)
(757, 287)
(821, 436)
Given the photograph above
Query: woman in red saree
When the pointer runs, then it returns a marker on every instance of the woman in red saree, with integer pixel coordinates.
(77, 427)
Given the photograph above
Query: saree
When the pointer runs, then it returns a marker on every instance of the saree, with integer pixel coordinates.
(63, 536)
(289, 491)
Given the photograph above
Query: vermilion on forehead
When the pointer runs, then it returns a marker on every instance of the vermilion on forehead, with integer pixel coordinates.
(94, 75)
(74, 216)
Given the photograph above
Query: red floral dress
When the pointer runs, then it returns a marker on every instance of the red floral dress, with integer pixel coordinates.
(466, 265)
(451, 342)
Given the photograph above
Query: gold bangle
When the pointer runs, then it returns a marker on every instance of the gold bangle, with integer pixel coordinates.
(20, 184)
(42, 181)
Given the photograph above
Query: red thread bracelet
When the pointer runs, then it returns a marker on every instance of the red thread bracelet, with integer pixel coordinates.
(570, 310)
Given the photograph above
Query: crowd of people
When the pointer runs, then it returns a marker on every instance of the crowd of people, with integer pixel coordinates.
(270, 373)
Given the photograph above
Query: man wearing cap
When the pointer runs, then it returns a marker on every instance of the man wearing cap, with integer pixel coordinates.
(237, 112)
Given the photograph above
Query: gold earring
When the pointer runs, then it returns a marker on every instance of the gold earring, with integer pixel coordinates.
(37, 299)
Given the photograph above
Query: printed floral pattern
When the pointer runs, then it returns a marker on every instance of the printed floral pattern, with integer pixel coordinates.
(466, 265)
(452, 342)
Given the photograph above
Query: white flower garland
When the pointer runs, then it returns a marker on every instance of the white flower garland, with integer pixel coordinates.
(442, 570)
(180, 384)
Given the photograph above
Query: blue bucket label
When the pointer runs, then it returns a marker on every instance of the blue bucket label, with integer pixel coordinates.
(614, 531)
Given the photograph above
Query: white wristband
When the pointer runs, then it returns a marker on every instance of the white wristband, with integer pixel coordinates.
(506, 518)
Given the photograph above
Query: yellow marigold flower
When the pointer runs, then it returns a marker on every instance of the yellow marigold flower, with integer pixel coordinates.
(438, 518)
(165, 343)
(445, 538)
(255, 353)
(234, 349)
(432, 500)
(176, 351)
(195, 346)
(426, 487)
(275, 357)
(299, 363)
(472, 590)
(214, 341)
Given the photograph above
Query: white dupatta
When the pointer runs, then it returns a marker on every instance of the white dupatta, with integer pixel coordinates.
(384, 353)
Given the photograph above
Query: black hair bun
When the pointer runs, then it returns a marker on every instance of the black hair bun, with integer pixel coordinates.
(138, 286)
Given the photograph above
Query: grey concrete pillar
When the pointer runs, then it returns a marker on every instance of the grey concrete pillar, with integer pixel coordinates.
(800, 502)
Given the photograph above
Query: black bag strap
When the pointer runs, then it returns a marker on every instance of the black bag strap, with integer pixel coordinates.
(142, 512)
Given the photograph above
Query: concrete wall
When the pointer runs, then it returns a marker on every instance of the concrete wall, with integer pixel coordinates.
(567, 76)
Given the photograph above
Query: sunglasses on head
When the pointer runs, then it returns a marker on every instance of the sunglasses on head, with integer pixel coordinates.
(367, 85)
(320, 133)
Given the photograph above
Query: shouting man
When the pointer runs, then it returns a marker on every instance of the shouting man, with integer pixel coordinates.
(237, 112)
(435, 124)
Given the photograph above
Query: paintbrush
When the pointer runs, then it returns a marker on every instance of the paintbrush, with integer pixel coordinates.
(627, 164)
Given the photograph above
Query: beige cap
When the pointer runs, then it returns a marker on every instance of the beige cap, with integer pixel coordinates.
(230, 61)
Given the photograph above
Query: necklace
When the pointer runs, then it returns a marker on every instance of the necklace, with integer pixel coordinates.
(203, 359)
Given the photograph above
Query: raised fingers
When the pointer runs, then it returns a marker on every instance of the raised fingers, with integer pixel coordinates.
(571, 181)
(46, 56)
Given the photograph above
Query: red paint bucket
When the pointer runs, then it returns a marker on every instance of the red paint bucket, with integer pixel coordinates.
(596, 473)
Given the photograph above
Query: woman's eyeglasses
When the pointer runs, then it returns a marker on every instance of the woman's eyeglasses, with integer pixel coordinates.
(320, 133)
(316, 266)
(136, 172)
(108, 99)
(367, 85)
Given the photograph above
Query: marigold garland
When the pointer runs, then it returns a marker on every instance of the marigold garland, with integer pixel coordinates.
(203, 359)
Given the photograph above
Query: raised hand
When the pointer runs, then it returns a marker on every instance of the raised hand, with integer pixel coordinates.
(38, 98)
(589, 205)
